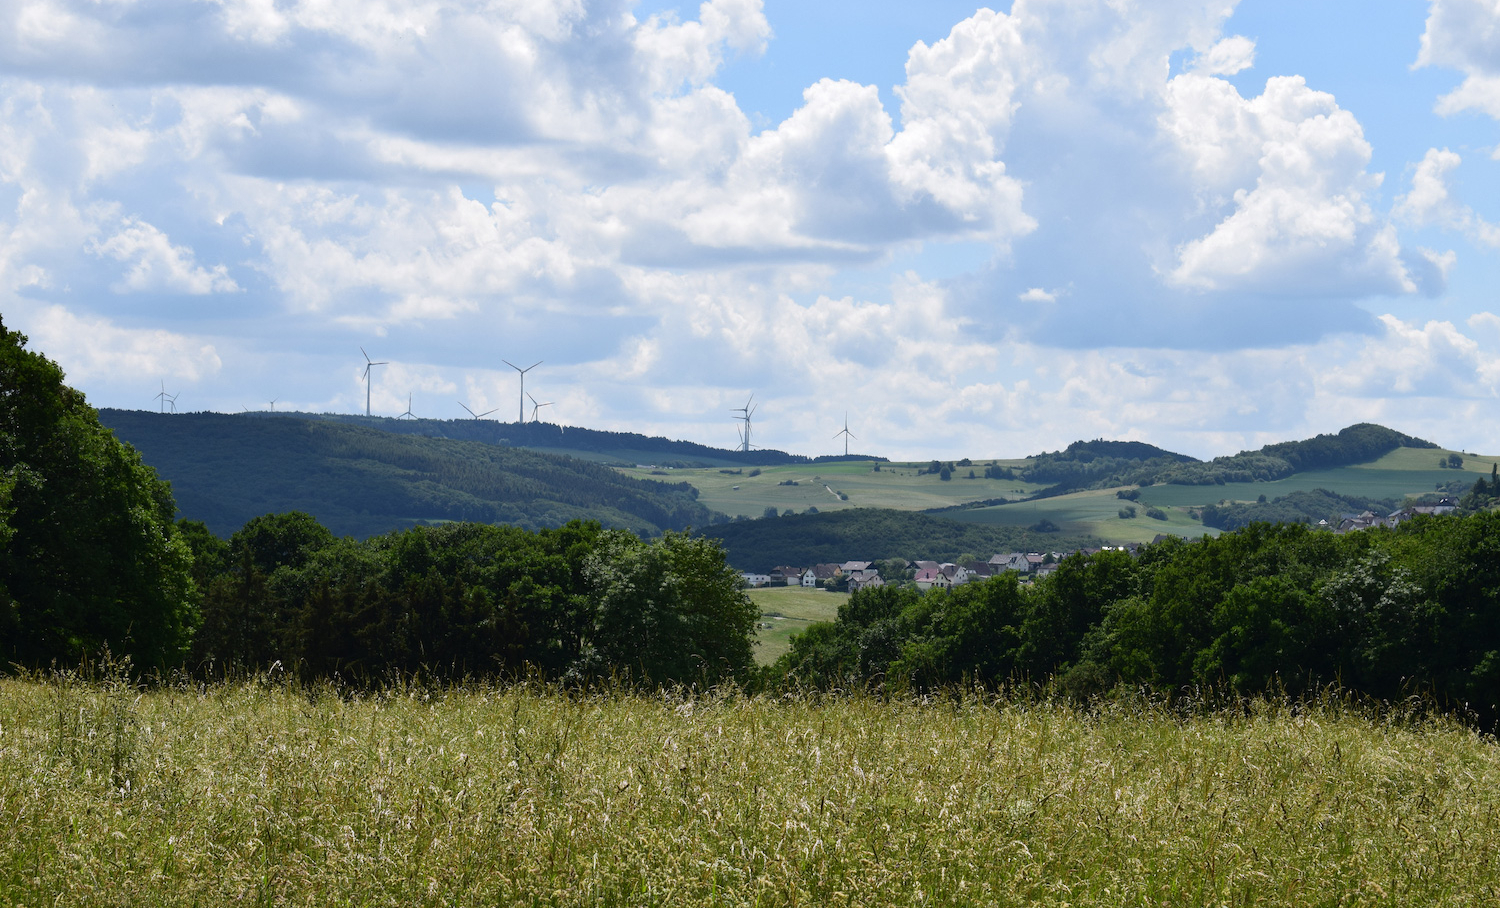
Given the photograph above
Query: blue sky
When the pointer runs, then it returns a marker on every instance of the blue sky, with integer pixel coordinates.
(986, 232)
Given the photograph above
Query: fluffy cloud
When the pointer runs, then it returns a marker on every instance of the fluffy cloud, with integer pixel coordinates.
(155, 264)
(1429, 201)
(98, 350)
(1305, 221)
(1465, 35)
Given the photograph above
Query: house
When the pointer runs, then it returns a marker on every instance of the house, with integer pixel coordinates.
(785, 574)
(920, 566)
(956, 574)
(818, 573)
(931, 578)
(981, 570)
(859, 580)
(850, 567)
(755, 579)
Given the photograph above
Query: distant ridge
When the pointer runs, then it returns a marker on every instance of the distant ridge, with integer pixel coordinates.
(623, 447)
(359, 481)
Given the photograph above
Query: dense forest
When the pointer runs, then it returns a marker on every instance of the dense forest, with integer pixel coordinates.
(872, 534)
(623, 447)
(574, 603)
(359, 481)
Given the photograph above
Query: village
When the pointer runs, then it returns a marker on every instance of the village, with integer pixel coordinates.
(853, 576)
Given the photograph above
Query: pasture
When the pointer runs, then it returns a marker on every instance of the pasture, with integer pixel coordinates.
(898, 486)
(1401, 473)
(788, 610)
(260, 793)
(1094, 513)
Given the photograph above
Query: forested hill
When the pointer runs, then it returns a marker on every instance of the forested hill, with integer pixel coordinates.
(359, 481)
(872, 534)
(1359, 443)
(1098, 465)
(619, 447)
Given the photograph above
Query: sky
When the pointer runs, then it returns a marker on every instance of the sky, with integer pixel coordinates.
(986, 232)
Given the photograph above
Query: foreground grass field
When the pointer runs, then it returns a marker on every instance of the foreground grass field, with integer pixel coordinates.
(256, 794)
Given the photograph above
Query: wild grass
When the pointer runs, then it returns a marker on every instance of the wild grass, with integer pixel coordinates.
(257, 793)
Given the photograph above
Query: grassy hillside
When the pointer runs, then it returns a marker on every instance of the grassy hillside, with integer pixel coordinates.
(256, 794)
(895, 485)
(870, 534)
(1092, 513)
(359, 481)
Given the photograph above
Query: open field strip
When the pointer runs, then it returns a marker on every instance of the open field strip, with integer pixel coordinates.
(896, 486)
(789, 610)
(1095, 513)
(260, 795)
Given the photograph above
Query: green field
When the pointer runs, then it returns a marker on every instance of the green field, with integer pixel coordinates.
(788, 610)
(264, 794)
(1095, 513)
(1401, 473)
(894, 486)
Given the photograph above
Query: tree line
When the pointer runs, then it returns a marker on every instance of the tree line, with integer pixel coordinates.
(1413, 609)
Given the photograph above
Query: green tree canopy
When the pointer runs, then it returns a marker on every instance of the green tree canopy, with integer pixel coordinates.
(89, 554)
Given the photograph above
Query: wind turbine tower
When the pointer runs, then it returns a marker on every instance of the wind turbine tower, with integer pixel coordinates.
(521, 401)
(408, 412)
(747, 411)
(166, 398)
(847, 435)
(369, 366)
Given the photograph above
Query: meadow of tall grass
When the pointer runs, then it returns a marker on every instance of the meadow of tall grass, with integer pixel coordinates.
(263, 793)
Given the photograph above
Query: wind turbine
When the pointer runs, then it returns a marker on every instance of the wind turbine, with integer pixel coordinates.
(368, 366)
(748, 412)
(536, 406)
(476, 415)
(521, 401)
(847, 435)
(273, 403)
(166, 398)
(408, 408)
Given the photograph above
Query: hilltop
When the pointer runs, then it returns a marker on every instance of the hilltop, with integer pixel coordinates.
(361, 481)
